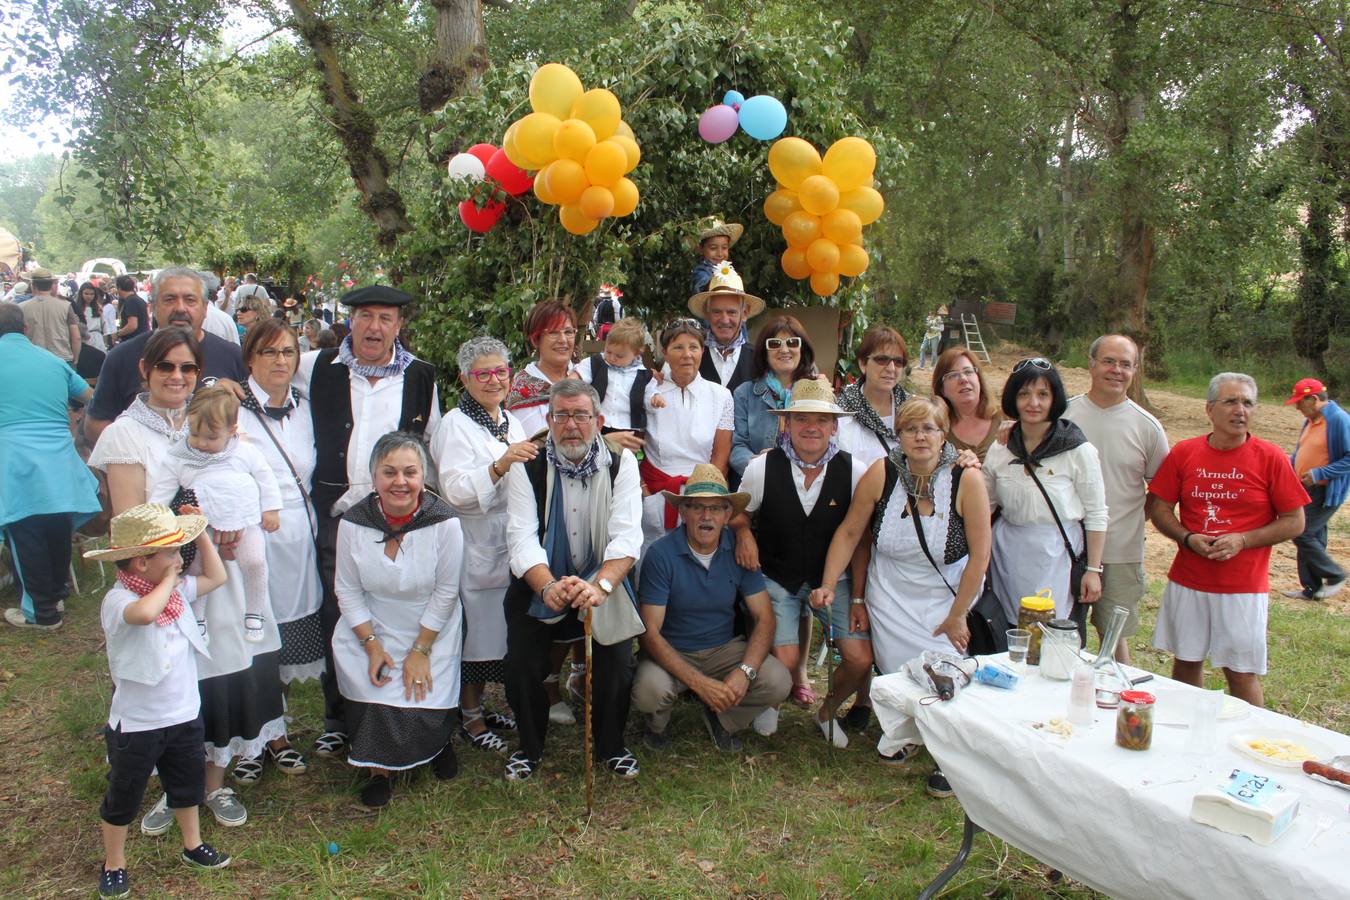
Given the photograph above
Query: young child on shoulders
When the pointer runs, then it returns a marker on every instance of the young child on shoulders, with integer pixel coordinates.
(234, 487)
(154, 720)
(715, 240)
(620, 377)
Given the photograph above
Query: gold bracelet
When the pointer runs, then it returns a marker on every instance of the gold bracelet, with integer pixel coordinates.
(422, 649)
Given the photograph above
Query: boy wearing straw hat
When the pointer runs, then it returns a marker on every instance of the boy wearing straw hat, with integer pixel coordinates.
(152, 640)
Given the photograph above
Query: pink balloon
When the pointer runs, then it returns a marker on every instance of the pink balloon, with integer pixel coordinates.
(717, 123)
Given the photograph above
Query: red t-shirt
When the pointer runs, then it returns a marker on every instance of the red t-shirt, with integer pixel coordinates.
(1221, 492)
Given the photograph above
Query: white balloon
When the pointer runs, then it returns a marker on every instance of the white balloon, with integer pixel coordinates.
(467, 167)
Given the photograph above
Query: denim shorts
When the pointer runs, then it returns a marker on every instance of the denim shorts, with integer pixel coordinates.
(790, 608)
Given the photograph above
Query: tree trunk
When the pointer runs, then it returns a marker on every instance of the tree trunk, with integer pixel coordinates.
(1319, 275)
(461, 55)
(355, 129)
(1066, 192)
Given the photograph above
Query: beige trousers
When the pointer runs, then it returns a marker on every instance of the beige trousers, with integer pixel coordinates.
(655, 690)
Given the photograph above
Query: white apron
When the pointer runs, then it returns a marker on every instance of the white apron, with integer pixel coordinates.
(1028, 558)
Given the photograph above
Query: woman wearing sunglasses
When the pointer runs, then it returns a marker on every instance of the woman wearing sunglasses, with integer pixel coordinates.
(975, 416)
(869, 433)
(474, 446)
(1029, 544)
(782, 355)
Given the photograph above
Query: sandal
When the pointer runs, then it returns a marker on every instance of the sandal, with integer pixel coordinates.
(625, 765)
(331, 744)
(248, 770)
(520, 767)
(500, 721)
(485, 740)
(803, 696)
(288, 760)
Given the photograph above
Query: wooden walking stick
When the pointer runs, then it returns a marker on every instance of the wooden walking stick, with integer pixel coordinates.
(590, 764)
(829, 671)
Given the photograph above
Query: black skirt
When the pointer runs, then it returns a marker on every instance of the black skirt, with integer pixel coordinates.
(488, 671)
(238, 708)
(301, 648)
(395, 737)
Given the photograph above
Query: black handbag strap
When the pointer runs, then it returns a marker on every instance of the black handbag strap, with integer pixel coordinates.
(1068, 545)
(923, 541)
(262, 419)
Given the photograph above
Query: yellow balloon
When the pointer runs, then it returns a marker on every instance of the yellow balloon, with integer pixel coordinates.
(534, 137)
(625, 130)
(542, 190)
(553, 90)
(822, 255)
(574, 220)
(849, 163)
(792, 160)
(605, 163)
(852, 260)
(865, 201)
(513, 151)
(600, 109)
(842, 226)
(625, 197)
(779, 204)
(596, 202)
(800, 228)
(795, 264)
(818, 195)
(566, 180)
(630, 147)
(573, 140)
(824, 284)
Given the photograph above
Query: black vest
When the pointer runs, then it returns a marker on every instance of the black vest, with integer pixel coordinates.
(637, 412)
(792, 545)
(743, 372)
(330, 398)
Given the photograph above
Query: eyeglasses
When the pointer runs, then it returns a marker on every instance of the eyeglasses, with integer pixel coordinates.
(967, 372)
(792, 343)
(1111, 362)
(164, 367)
(916, 430)
(274, 352)
(884, 361)
(568, 333)
(1038, 362)
(483, 376)
(580, 418)
(704, 509)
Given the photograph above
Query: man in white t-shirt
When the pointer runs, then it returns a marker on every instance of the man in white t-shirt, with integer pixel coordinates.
(1131, 444)
(250, 288)
(225, 298)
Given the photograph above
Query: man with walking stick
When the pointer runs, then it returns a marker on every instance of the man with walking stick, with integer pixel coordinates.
(572, 511)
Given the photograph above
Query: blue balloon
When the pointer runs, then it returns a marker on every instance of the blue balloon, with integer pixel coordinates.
(763, 117)
(732, 98)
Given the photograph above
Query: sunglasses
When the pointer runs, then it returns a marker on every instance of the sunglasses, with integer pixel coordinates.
(483, 376)
(1038, 362)
(164, 367)
(884, 361)
(792, 343)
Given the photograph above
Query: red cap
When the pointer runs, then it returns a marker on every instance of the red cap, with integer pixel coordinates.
(1138, 698)
(1304, 388)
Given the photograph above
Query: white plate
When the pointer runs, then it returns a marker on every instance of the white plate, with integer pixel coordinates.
(1315, 748)
(1234, 708)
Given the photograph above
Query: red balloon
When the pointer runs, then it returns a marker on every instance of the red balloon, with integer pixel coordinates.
(513, 179)
(480, 220)
(482, 151)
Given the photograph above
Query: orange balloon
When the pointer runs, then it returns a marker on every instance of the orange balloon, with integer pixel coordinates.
(605, 163)
(818, 195)
(852, 260)
(599, 109)
(573, 140)
(822, 255)
(513, 151)
(779, 204)
(865, 201)
(795, 264)
(625, 130)
(842, 226)
(534, 137)
(574, 220)
(541, 188)
(849, 163)
(800, 228)
(566, 180)
(824, 284)
(625, 197)
(553, 89)
(596, 202)
(791, 160)
(630, 147)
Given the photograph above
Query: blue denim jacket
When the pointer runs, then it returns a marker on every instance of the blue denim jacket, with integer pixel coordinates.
(756, 425)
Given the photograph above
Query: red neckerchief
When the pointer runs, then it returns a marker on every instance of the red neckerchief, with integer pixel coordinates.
(140, 587)
(397, 522)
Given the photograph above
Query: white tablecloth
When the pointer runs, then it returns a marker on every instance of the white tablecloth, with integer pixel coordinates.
(1119, 820)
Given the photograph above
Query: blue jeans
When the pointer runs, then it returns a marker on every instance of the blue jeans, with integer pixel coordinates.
(929, 350)
(1316, 568)
(789, 608)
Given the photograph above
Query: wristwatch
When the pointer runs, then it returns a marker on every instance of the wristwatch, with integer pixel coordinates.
(605, 585)
(856, 601)
(750, 672)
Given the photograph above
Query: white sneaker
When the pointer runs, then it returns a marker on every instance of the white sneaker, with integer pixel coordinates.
(766, 723)
(1327, 591)
(159, 819)
(560, 713)
(840, 739)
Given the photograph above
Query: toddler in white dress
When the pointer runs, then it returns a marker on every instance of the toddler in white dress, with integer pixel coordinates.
(235, 489)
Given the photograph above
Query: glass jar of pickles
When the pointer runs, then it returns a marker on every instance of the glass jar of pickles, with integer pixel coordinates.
(1038, 608)
(1134, 720)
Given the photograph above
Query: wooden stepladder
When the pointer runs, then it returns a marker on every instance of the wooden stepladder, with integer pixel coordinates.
(974, 342)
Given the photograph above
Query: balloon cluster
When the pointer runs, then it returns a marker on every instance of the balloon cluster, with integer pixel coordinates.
(579, 144)
(822, 206)
(762, 117)
(486, 163)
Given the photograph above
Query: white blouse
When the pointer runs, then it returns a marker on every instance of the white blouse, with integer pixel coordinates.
(128, 442)
(861, 443)
(296, 434)
(680, 434)
(1073, 479)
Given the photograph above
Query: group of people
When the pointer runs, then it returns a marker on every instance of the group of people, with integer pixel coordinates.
(282, 515)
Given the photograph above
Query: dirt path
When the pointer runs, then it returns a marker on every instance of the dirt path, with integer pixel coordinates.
(1184, 417)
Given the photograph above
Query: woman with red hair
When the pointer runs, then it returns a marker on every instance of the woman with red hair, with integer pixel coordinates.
(551, 327)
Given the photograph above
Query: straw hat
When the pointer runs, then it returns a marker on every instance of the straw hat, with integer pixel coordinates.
(708, 481)
(714, 227)
(147, 529)
(811, 395)
(724, 280)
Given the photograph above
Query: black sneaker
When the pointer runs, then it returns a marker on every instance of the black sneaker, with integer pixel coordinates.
(114, 883)
(858, 718)
(204, 856)
(625, 765)
(376, 792)
(331, 744)
(656, 740)
(724, 741)
(899, 757)
(937, 785)
(446, 765)
(520, 767)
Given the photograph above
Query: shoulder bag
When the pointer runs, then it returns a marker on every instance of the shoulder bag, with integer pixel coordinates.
(1077, 563)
